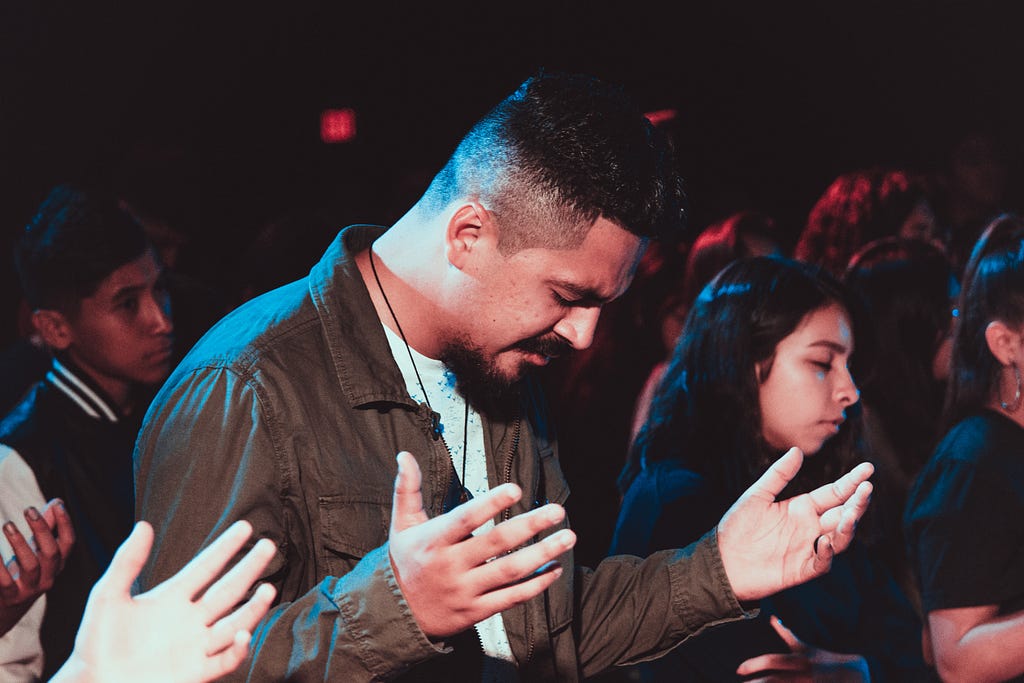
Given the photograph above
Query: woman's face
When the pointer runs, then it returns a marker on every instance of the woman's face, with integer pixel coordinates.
(808, 388)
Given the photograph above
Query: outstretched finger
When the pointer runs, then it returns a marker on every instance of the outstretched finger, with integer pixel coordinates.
(458, 524)
(202, 568)
(230, 588)
(504, 598)
(774, 662)
(839, 491)
(244, 618)
(792, 642)
(56, 515)
(47, 552)
(852, 511)
(8, 587)
(523, 565)
(124, 568)
(227, 661)
(407, 506)
(849, 513)
(512, 533)
(28, 563)
(781, 472)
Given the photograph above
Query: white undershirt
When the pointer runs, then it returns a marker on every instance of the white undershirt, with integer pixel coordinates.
(499, 662)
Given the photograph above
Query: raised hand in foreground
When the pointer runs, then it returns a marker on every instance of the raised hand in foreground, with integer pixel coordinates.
(452, 579)
(36, 562)
(175, 633)
(768, 545)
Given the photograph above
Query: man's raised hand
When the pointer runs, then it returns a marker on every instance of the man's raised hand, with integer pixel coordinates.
(768, 545)
(452, 579)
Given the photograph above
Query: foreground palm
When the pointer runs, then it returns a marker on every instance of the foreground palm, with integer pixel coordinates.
(175, 633)
(768, 545)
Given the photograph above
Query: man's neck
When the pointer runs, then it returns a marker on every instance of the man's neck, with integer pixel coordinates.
(400, 292)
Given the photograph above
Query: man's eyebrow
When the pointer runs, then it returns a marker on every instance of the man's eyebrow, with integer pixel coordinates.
(582, 292)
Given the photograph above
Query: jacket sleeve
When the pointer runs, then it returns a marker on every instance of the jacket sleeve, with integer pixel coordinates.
(209, 455)
(630, 609)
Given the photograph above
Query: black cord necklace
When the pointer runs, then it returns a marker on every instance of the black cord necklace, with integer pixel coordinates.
(435, 418)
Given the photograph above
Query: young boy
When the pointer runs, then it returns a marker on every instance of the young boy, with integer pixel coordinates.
(96, 291)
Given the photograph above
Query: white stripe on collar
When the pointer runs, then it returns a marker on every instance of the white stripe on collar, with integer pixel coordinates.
(80, 393)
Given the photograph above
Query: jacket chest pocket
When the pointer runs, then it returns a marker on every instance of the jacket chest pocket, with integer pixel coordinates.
(350, 528)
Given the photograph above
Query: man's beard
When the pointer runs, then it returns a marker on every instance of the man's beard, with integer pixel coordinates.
(489, 390)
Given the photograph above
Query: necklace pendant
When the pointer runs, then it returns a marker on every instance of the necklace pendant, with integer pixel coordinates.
(435, 425)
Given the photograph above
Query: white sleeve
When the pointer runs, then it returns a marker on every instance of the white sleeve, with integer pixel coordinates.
(21, 653)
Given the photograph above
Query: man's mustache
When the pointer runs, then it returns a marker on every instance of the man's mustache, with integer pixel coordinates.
(551, 347)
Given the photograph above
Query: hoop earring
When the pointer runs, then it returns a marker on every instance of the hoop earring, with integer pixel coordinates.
(1012, 406)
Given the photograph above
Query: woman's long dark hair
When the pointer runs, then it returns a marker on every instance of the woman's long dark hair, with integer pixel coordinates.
(993, 289)
(706, 411)
(906, 287)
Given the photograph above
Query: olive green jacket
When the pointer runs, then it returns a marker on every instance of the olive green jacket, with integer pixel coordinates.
(289, 413)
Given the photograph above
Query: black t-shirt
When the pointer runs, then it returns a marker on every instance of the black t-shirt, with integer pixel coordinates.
(964, 520)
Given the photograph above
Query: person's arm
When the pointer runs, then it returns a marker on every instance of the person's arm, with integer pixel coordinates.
(630, 610)
(184, 630)
(977, 644)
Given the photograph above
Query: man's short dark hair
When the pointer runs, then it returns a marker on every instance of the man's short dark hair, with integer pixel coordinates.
(75, 240)
(560, 152)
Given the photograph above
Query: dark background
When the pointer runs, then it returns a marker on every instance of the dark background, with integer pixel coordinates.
(206, 114)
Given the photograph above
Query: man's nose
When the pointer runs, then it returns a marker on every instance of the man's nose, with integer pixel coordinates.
(577, 326)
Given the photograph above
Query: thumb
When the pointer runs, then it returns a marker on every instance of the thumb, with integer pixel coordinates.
(777, 476)
(407, 505)
(124, 568)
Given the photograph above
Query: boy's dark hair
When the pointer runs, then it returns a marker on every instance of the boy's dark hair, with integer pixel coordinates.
(74, 241)
(557, 154)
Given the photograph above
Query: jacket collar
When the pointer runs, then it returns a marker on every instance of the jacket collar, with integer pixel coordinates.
(83, 392)
(362, 359)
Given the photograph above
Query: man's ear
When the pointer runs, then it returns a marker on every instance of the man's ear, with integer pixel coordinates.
(1004, 342)
(53, 327)
(469, 228)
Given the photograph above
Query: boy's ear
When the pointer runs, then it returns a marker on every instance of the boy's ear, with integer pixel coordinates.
(53, 327)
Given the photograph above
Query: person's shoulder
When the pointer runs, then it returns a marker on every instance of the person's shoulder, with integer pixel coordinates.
(671, 481)
(257, 327)
(980, 437)
(18, 485)
(25, 417)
